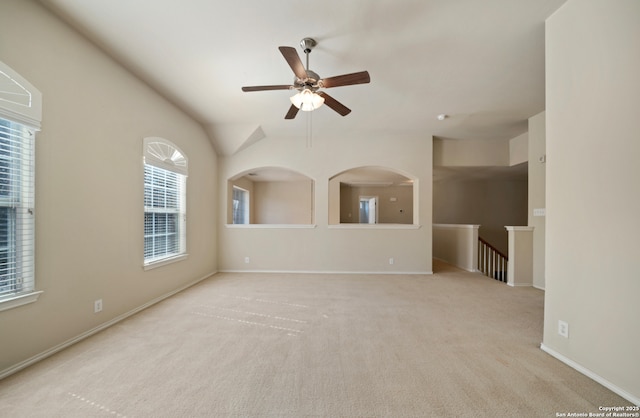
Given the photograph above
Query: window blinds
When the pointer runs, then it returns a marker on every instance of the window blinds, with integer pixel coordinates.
(240, 206)
(16, 209)
(163, 214)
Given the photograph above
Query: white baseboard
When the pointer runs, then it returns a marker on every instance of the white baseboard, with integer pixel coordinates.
(41, 356)
(604, 382)
(324, 272)
(470, 270)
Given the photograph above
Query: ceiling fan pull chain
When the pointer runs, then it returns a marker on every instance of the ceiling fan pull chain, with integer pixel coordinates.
(309, 131)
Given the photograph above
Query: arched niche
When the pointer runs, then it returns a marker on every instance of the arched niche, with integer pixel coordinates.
(270, 196)
(372, 195)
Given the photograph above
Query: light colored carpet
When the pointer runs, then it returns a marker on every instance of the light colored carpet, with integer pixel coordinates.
(302, 345)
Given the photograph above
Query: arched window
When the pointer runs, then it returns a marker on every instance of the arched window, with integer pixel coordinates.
(20, 116)
(165, 192)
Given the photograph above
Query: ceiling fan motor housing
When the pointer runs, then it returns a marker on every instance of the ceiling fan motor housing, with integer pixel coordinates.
(310, 83)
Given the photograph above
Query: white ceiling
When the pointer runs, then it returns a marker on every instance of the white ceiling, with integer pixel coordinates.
(480, 62)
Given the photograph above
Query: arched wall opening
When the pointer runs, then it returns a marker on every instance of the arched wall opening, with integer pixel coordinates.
(373, 195)
(270, 195)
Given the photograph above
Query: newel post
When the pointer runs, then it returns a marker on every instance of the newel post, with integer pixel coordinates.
(520, 268)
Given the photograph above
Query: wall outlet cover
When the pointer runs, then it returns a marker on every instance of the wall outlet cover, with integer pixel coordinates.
(563, 329)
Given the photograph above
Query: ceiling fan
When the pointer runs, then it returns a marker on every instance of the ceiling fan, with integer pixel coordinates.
(308, 84)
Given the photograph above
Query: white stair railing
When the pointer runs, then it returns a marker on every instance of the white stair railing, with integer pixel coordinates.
(491, 262)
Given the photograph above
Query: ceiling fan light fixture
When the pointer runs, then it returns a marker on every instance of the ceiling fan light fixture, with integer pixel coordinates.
(307, 83)
(306, 100)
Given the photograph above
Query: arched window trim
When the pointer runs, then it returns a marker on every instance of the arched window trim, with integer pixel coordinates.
(20, 101)
(165, 154)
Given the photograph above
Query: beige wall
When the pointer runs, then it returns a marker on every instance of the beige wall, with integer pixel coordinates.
(519, 149)
(491, 204)
(593, 197)
(89, 186)
(537, 169)
(470, 152)
(283, 202)
(355, 248)
(457, 245)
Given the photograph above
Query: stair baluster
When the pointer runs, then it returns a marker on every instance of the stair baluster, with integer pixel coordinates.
(491, 262)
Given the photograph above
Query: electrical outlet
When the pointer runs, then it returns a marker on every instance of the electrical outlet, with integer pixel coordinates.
(246, 260)
(391, 260)
(563, 329)
(97, 306)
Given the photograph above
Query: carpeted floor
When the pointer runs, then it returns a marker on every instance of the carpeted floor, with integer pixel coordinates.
(301, 345)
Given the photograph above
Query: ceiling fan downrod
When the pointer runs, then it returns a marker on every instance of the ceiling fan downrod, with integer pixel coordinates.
(307, 45)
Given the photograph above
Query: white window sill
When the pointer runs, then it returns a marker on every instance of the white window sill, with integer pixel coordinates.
(270, 226)
(164, 261)
(374, 226)
(19, 300)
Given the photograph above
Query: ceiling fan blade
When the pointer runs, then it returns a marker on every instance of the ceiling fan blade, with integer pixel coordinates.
(293, 111)
(361, 77)
(261, 88)
(334, 104)
(289, 53)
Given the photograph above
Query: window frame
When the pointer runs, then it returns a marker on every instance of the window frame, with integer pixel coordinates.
(246, 208)
(21, 107)
(167, 167)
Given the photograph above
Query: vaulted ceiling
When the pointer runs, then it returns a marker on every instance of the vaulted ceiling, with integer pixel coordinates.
(479, 62)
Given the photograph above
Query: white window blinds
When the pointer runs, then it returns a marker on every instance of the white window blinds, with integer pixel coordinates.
(163, 191)
(240, 206)
(16, 209)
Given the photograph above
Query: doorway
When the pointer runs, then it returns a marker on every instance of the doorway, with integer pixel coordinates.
(368, 210)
